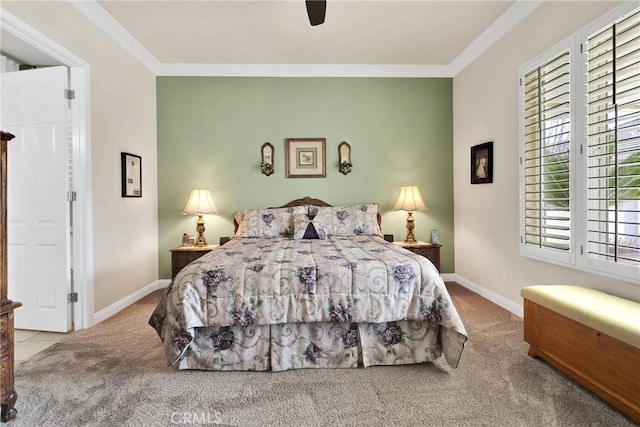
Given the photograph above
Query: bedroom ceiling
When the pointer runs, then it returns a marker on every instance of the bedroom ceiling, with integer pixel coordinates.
(390, 32)
(360, 38)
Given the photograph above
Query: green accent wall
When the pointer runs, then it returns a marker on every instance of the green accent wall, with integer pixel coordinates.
(210, 130)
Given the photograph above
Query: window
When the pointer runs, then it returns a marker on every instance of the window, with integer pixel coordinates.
(613, 132)
(580, 167)
(546, 154)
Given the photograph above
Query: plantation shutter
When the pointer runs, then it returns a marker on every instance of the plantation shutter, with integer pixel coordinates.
(614, 142)
(546, 155)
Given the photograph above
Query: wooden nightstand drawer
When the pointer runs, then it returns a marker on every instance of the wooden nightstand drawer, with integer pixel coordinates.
(431, 251)
(182, 256)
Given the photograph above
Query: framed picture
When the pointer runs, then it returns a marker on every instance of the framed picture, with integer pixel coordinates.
(306, 157)
(131, 166)
(482, 163)
(435, 236)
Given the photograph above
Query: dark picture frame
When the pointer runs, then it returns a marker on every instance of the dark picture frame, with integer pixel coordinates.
(131, 170)
(482, 163)
(306, 157)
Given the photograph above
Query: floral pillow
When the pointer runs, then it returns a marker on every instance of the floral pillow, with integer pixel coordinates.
(346, 220)
(275, 222)
(306, 228)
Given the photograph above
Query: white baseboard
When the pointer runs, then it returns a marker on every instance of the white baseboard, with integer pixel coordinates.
(125, 302)
(495, 298)
(449, 277)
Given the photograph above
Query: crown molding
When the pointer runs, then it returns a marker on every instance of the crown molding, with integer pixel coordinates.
(15, 26)
(501, 26)
(101, 19)
(509, 19)
(304, 70)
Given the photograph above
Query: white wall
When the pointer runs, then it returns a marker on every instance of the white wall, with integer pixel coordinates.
(486, 109)
(123, 118)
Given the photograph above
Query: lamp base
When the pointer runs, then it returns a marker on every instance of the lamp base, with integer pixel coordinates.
(200, 241)
(410, 226)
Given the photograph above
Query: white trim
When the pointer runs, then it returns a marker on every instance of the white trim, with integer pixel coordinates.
(101, 19)
(303, 70)
(81, 140)
(492, 296)
(82, 185)
(607, 19)
(501, 26)
(92, 10)
(125, 302)
(35, 38)
(449, 277)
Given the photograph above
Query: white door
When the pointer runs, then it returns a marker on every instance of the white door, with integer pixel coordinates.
(34, 109)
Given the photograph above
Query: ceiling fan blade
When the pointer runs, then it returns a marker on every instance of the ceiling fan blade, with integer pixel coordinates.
(316, 9)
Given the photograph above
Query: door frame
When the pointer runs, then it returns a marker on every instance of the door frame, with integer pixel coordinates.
(82, 240)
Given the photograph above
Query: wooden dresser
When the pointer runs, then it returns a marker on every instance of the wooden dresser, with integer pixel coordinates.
(8, 395)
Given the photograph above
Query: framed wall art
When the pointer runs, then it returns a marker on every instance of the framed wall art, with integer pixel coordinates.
(482, 163)
(131, 166)
(306, 157)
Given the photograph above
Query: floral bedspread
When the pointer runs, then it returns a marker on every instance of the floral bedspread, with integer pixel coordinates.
(361, 279)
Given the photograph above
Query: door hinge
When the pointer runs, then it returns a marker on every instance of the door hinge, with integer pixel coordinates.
(69, 94)
(72, 196)
(72, 297)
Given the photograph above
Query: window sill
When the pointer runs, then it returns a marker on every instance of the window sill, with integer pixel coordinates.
(629, 273)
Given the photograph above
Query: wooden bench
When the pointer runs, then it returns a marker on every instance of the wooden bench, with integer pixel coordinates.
(592, 337)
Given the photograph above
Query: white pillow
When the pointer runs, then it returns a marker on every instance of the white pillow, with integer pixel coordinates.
(275, 222)
(346, 220)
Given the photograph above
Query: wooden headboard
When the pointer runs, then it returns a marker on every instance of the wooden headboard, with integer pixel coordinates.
(305, 201)
(300, 202)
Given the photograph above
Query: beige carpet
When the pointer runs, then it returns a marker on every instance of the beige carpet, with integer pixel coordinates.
(114, 374)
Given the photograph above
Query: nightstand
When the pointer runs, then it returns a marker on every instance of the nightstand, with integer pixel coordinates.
(431, 251)
(183, 255)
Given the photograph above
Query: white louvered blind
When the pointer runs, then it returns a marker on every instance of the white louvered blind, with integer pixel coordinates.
(546, 154)
(613, 76)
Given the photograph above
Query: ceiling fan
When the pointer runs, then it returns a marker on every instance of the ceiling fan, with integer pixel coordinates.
(316, 10)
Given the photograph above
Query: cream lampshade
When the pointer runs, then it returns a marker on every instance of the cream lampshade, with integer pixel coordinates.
(410, 200)
(200, 203)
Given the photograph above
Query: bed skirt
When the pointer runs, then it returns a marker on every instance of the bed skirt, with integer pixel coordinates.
(311, 345)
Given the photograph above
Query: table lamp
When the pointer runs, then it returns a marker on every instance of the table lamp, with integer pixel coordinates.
(410, 200)
(200, 203)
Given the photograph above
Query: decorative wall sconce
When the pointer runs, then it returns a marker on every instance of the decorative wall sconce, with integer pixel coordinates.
(344, 154)
(267, 159)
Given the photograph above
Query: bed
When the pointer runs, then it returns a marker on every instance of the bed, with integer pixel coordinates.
(307, 285)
